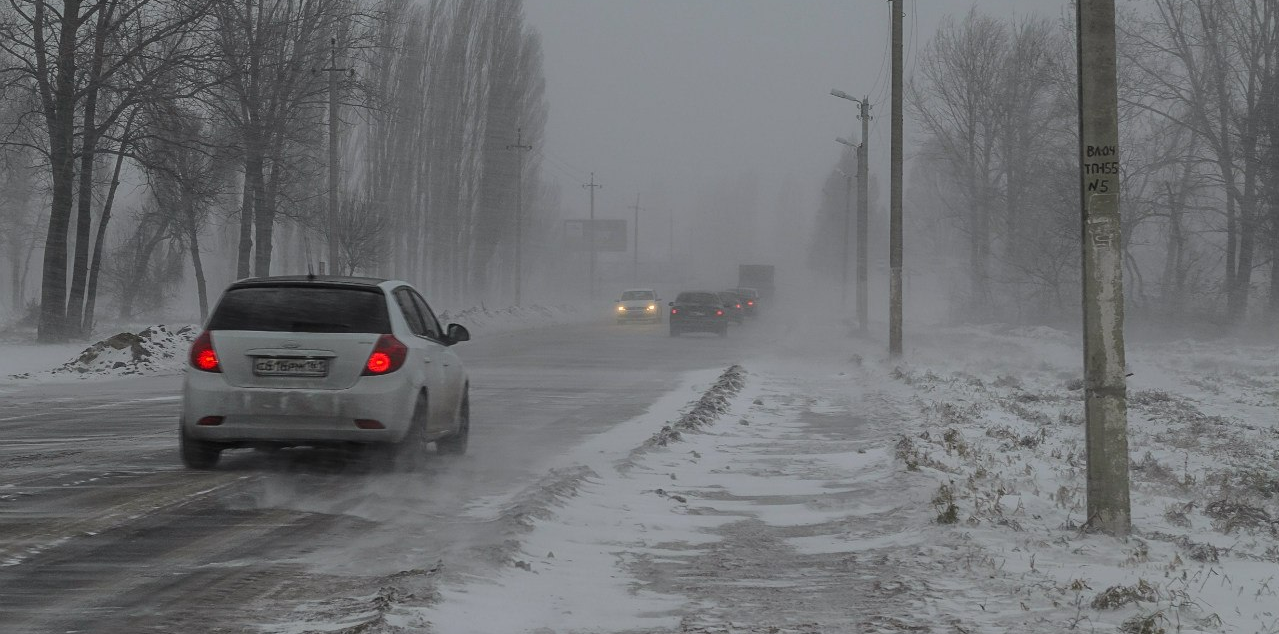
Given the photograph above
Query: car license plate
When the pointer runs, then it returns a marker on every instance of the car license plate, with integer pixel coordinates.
(275, 366)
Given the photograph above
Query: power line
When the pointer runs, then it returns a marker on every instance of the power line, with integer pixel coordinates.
(563, 163)
(875, 88)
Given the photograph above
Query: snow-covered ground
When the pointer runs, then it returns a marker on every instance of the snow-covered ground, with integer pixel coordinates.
(943, 493)
(831, 489)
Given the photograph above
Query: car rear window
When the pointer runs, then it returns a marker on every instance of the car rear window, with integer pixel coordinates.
(697, 298)
(302, 309)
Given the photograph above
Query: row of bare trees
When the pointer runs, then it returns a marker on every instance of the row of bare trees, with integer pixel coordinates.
(994, 188)
(217, 111)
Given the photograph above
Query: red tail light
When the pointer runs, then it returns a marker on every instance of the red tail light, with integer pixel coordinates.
(739, 305)
(203, 356)
(674, 311)
(368, 423)
(210, 421)
(718, 312)
(750, 302)
(387, 356)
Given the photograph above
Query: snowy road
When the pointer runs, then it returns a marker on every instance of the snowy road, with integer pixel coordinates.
(102, 530)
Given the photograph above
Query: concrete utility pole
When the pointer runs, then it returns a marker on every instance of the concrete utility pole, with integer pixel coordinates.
(848, 228)
(1105, 384)
(863, 216)
(591, 187)
(895, 204)
(671, 252)
(635, 247)
(335, 265)
(863, 203)
(519, 210)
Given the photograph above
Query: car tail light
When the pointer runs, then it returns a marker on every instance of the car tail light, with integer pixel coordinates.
(368, 423)
(750, 302)
(739, 305)
(210, 421)
(387, 356)
(718, 312)
(674, 311)
(203, 357)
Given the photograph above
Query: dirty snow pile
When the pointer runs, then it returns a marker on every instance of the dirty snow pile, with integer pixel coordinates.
(156, 349)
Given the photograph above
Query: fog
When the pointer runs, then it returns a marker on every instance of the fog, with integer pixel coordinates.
(719, 115)
(710, 123)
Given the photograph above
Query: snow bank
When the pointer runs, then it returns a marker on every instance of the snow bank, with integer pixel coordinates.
(156, 349)
(1000, 434)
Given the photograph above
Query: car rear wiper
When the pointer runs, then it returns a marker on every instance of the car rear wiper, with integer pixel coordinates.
(318, 326)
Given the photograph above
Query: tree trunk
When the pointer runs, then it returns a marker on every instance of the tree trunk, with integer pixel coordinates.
(88, 156)
(193, 236)
(1173, 259)
(60, 115)
(252, 180)
(96, 266)
(264, 223)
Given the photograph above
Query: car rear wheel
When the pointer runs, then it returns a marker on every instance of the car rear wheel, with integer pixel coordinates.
(455, 445)
(198, 454)
(410, 453)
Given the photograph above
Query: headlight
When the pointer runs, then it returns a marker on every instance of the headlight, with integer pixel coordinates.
(652, 307)
(621, 309)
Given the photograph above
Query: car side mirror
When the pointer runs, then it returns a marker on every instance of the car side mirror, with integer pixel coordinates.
(670, 303)
(457, 333)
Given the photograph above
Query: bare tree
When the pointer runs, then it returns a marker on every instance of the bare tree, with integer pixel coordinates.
(187, 178)
(81, 58)
(954, 99)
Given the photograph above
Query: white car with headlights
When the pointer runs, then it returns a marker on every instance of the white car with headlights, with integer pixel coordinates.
(638, 304)
(324, 361)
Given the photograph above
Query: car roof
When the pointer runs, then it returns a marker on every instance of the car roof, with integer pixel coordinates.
(319, 280)
(634, 290)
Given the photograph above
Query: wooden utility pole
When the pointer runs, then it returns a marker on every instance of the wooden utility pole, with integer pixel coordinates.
(591, 187)
(335, 267)
(848, 229)
(519, 210)
(863, 215)
(1105, 384)
(895, 204)
(635, 247)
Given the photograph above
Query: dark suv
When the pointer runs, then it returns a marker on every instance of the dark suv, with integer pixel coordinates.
(750, 300)
(698, 311)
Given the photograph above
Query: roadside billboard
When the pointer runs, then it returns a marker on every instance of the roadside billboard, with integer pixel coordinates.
(610, 235)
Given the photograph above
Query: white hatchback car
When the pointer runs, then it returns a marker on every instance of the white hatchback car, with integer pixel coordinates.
(324, 361)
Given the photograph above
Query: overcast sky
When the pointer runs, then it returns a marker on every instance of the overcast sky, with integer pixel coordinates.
(669, 97)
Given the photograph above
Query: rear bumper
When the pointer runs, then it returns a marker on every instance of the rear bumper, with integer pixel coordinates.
(296, 416)
(709, 324)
